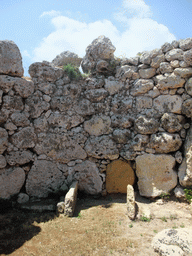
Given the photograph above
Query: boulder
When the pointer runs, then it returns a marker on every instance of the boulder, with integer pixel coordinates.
(155, 174)
(25, 138)
(3, 140)
(121, 136)
(13, 103)
(156, 61)
(121, 121)
(3, 162)
(165, 67)
(11, 181)
(145, 125)
(147, 73)
(187, 108)
(185, 169)
(173, 242)
(183, 72)
(171, 81)
(44, 178)
(96, 95)
(141, 86)
(36, 105)
(20, 119)
(188, 57)
(168, 103)
(22, 198)
(84, 107)
(65, 58)
(87, 175)
(100, 49)
(19, 157)
(98, 125)
(185, 44)
(119, 174)
(10, 59)
(174, 54)
(188, 86)
(101, 147)
(172, 122)
(143, 102)
(113, 86)
(165, 142)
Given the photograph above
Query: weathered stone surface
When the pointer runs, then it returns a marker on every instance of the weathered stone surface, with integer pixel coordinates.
(168, 103)
(101, 147)
(41, 124)
(98, 125)
(121, 121)
(22, 198)
(175, 54)
(20, 119)
(188, 57)
(125, 71)
(157, 60)
(166, 47)
(47, 88)
(13, 103)
(147, 73)
(59, 147)
(3, 140)
(42, 205)
(11, 181)
(61, 207)
(185, 169)
(36, 105)
(145, 125)
(3, 161)
(173, 242)
(183, 72)
(131, 205)
(188, 86)
(141, 86)
(143, 102)
(87, 175)
(23, 87)
(139, 142)
(119, 174)
(169, 82)
(187, 108)
(185, 44)
(44, 178)
(179, 192)
(155, 174)
(113, 86)
(172, 122)
(145, 57)
(70, 199)
(121, 136)
(10, 59)
(96, 95)
(165, 142)
(25, 138)
(57, 119)
(19, 157)
(67, 57)
(45, 72)
(100, 49)
(84, 108)
(1, 94)
(178, 157)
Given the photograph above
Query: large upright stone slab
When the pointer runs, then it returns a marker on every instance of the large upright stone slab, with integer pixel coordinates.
(155, 174)
(10, 59)
(118, 175)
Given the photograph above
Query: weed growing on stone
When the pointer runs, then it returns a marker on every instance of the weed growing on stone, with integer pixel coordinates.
(182, 225)
(131, 225)
(72, 71)
(155, 231)
(79, 216)
(165, 196)
(188, 194)
(145, 219)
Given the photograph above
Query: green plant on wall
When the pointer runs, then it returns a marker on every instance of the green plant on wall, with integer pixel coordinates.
(188, 193)
(72, 71)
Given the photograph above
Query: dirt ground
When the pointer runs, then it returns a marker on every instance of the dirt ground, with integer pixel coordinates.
(99, 227)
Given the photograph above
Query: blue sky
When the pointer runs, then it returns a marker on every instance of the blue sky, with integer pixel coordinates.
(43, 29)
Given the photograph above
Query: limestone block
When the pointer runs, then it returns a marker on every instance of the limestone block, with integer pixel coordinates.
(143, 102)
(121, 121)
(23, 87)
(165, 142)
(84, 107)
(70, 199)
(3, 140)
(188, 86)
(47, 88)
(187, 108)
(166, 47)
(10, 59)
(13, 103)
(155, 174)
(25, 138)
(113, 86)
(44, 178)
(102, 147)
(185, 44)
(36, 105)
(41, 124)
(145, 125)
(188, 57)
(139, 142)
(183, 72)
(185, 169)
(119, 174)
(172, 122)
(98, 125)
(131, 205)
(173, 242)
(67, 57)
(174, 54)
(171, 81)
(141, 86)
(59, 147)
(3, 161)
(147, 73)
(19, 157)
(121, 136)
(168, 103)
(165, 67)
(88, 177)
(157, 61)
(20, 119)
(145, 58)
(11, 181)
(96, 95)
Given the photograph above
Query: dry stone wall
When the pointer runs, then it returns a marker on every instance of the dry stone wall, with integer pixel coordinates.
(54, 130)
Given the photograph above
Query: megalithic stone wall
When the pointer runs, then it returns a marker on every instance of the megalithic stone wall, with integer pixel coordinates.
(54, 130)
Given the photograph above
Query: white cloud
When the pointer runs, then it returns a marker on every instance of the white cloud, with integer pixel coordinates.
(52, 13)
(141, 33)
(25, 54)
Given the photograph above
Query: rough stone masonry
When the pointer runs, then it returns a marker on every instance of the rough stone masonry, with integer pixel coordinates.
(129, 118)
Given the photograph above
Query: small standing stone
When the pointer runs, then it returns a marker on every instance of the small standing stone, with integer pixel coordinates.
(131, 206)
(70, 199)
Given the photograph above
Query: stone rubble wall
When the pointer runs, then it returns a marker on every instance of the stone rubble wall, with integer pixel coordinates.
(54, 130)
